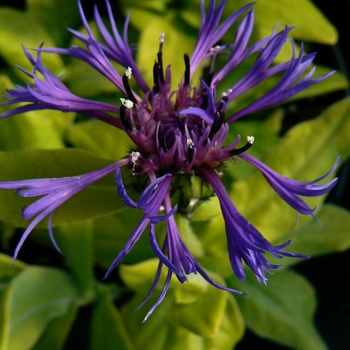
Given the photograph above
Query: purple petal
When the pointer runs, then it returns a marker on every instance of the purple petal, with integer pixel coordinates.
(62, 190)
(209, 34)
(122, 191)
(128, 245)
(289, 189)
(245, 242)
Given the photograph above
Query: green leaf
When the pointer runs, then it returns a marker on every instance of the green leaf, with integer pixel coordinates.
(207, 210)
(57, 331)
(188, 11)
(150, 5)
(99, 199)
(32, 130)
(150, 335)
(139, 277)
(76, 241)
(107, 328)
(204, 315)
(34, 297)
(8, 269)
(21, 28)
(56, 16)
(283, 311)
(314, 239)
(193, 315)
(189, 237)
(155, 6)
(231, 329)
(308, 21)
(307, 152)
(100, 138)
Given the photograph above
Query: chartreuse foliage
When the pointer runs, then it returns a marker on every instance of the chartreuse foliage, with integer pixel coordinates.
(195, 316)
(288, 304)
(39, 304)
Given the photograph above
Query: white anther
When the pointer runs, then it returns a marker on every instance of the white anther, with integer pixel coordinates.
(190, 143)
(127, 103)
(162, 38)
(128, 73)
(216, 48)
(228, 92)
(134, 156)
(250, 139)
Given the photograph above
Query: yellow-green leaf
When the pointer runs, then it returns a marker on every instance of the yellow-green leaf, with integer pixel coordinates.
(34, 297)
(21, 28)
(308, 21)
(282, 311)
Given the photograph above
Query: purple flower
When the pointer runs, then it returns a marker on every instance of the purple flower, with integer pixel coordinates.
(176, 134)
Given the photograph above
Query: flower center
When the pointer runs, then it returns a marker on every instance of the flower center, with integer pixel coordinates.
(176, 131)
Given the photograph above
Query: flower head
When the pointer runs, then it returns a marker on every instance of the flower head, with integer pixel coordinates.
(175, 133)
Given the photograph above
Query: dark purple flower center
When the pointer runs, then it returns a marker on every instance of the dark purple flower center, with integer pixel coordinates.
(176, 131)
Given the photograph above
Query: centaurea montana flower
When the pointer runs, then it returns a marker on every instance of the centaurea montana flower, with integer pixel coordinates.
(176, 133)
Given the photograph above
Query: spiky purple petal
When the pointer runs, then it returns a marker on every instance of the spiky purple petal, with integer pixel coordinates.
(290, 190)
(245, 242)
(55, 192)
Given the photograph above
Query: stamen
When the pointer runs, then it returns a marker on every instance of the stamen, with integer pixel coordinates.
(161, 138)
(134, 156)
(187, 70)
(218, 120)
(190, 150)
(161, 41)
(250, 141)
(126, 77)
(156, 71)
(226, 94)
(127, 103)
(219, 115)
(214, 51)
(205, 99)
(128, 73)
(125, 122)
(160, 58)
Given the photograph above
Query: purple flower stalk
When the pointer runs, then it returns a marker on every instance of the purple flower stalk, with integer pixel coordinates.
(176, 133)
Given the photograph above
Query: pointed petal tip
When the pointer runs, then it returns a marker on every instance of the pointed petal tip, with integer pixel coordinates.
(13, 260)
